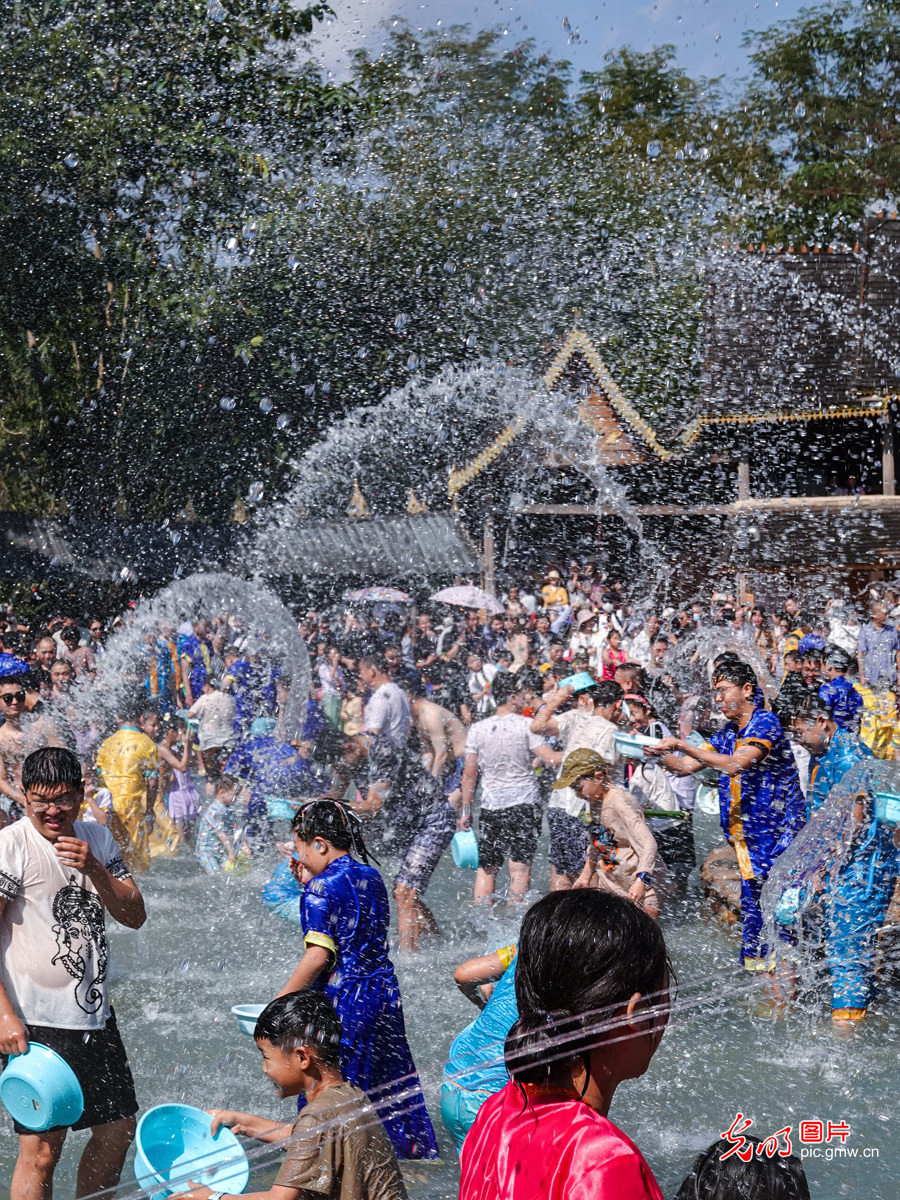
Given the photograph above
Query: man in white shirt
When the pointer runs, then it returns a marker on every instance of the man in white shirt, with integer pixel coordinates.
(503, 748)
(591, 725)
(58, 879)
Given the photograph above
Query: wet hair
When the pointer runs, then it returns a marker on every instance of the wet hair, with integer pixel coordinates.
(333, 822)
(505, 685)
(837, 657)
(761, 1178)
(19, 681)
(604, 693)
(581, 954)
(799, 701)
(51, 766)
(637, 673)
(377, 662)
(304, 1018)
(227, 783)
(735, 670)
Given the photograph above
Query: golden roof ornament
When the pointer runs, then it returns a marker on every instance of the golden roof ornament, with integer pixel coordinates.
(415, 506)
(239, 511)
(189, 513)
(358, 509)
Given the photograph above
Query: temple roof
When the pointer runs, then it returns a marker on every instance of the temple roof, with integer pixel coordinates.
(623, 436)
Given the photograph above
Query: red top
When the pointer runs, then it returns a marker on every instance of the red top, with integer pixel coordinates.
(550, 1147)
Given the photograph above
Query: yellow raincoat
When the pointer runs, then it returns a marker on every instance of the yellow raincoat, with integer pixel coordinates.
(126, 762)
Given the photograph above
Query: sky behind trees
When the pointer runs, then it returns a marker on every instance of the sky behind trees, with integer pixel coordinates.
(707, 34)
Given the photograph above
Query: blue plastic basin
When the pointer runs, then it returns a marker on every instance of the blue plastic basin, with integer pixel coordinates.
(632, 745)
(247, 1014)
(40, 1089)
(579, 681)
(887, 807)
(173, 1145)
(464, 849)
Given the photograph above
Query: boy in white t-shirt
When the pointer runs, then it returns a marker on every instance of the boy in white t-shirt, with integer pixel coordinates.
(58, 878)
(502, 749)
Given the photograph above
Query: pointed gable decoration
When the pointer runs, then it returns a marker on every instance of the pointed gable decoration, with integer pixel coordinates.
(623, 436)
(414, 506)
(358, 507)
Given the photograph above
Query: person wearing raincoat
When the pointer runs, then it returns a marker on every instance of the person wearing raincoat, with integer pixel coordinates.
(860, 890)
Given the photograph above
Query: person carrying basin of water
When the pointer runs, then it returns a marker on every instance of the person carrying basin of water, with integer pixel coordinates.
(761, 806)
(590, 725)
(592, 987)
(345, 915)
(59, 877)
(502, 749)
(128, 764)
(337, 1146)
(859, 893)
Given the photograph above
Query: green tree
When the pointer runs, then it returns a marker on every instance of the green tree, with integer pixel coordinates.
(130, 136)
(825, 95)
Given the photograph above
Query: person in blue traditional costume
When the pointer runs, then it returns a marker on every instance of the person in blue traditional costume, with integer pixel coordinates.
(273, 769)
(163, 679)
(195, 651)
(237, 678)
(761, 806)
(345, 915)
(837, 692)
(860, 891)
(476, 1068)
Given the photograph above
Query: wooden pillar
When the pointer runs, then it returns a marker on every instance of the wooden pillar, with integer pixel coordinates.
(888, 486)
(488, 569)
(743, 481)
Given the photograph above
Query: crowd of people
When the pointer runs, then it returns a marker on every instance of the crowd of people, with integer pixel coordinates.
(570, 706)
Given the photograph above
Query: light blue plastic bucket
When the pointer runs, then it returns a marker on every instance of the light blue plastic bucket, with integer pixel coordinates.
(887, 807)
(464, 849)
(173, 1145)
(280, 809)
(579, 681)
(247, 1014)
(41, 1090)
(632, 745)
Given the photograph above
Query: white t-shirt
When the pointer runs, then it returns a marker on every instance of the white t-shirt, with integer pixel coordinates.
(580, 730)
(505, 747)
(54, 957)
(104, 801)
(388, 713)
(215, 712)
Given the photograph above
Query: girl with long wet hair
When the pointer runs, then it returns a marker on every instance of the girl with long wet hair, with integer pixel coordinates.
(345, 914)
(592, 987)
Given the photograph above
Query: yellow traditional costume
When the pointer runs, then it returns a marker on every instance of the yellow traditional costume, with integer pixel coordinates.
(126, 762)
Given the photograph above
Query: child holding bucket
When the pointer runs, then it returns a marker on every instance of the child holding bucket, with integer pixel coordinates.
(337, 1145)
(345, 914)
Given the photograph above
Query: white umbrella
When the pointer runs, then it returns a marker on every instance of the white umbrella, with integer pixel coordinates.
(468, 596)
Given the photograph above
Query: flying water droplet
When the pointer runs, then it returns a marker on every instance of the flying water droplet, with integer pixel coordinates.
(412, 362)
(800, 109)
(71, 161)
(255, 492)
(265, 405)
(227, 403)
(283, 421)
(471, 341)
(653, 149)
(401, 321)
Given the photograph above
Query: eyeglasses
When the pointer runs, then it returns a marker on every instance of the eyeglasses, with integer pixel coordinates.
(9, 697)
(61, 805)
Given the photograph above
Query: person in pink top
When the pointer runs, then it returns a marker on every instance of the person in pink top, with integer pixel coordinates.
(592, 987)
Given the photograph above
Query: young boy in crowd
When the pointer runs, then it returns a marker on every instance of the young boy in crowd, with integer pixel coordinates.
(838, 693)
(338, 1147)
(218, 839)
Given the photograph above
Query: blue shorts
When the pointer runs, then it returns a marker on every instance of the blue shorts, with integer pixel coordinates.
(453, 781)
(568, 842)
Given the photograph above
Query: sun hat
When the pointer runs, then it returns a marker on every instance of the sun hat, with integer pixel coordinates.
(578, 764)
